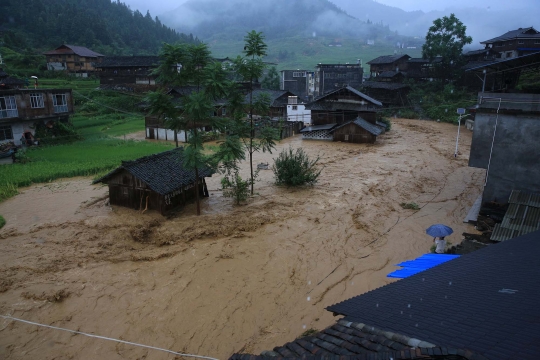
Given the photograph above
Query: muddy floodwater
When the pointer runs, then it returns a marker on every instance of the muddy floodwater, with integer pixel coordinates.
(238, 278)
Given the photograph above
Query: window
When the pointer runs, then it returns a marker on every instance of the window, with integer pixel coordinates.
(223, 111)
(536, 42)
(36, 101)
(299, 74)
(8, 107)
(60, 103)
(498, 44)
(6, 133)
(295, 107)
(521, 42)
(346, 137)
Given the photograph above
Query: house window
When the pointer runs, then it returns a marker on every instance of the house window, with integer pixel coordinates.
(223, 111)
(8, 107)
(295, 107)
(498, 44)
(36, 101)
(6, 133)
(60, 103)
(299, 74)
(521, 42)
(536, 42)
(346, 138)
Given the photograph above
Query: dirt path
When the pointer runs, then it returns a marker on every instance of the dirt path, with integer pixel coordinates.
(235, 279)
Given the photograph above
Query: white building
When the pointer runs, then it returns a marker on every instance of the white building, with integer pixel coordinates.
(297, 111)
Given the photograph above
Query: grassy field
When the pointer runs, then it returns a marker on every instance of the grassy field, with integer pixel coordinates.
(308, 52)
(83, 158)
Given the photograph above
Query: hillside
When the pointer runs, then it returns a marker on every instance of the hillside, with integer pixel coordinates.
(299, 33)
(111, 28)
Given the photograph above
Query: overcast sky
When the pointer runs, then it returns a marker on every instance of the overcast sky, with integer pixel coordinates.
(158, 7)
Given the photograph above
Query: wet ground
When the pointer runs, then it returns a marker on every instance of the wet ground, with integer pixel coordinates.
(238, 278)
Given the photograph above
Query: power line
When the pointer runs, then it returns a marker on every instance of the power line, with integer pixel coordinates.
(107, 338)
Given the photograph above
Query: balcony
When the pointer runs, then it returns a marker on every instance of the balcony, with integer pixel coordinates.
(9, 114)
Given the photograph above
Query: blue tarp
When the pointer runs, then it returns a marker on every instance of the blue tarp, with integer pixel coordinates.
(420, 264)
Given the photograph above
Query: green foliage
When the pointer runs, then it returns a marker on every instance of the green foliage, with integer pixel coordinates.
(294, 168)
(387, 122)
(235, 187)
(529, 82)
(105, 26)
(446, 38)
(271, 80)
(59, 133)
(82, 158)
(2, 221)
(309, 332)
(410, 205)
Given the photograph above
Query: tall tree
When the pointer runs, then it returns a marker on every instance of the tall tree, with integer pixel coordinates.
(250, 68)
(271, 80)
(446, 38)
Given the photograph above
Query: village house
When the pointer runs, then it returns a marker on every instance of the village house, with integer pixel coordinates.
(421, 69)
(345, 106)
(329, 77)
(515, 43)
(128, 73)
(278, 101)
(22, 111)
(299, 82)
(73, 59)
(388, 93)
(157, 182)
(10, 82)
(474, 307)
(385, 63)
(296, 111)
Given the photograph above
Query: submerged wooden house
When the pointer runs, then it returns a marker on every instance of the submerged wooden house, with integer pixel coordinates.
(156, 182)
(357, 131)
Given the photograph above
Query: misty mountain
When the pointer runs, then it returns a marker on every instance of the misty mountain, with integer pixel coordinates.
(111, 28)
(276, 18)
(482, 23)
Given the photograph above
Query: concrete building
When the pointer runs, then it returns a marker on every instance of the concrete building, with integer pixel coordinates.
(296, 111)
(506, 143)
(296, 81)
(330, 77)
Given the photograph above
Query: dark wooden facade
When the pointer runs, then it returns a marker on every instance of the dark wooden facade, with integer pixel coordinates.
(354, 134)
(128, 191)
(329, 77)
(129, 73)
(388, 63)
(73, 59)
(321, 117)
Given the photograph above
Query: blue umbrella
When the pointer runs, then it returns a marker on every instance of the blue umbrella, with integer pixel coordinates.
(439, 230)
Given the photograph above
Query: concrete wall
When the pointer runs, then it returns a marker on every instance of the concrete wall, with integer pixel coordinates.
(300, 114)
(515, 161)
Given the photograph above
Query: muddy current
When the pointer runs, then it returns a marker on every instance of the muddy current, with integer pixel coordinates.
(237, 278)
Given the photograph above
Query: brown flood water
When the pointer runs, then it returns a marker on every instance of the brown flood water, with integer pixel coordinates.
(238, 278)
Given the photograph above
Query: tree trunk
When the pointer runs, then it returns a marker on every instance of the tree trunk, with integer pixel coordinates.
(197, 191)
(251, 132)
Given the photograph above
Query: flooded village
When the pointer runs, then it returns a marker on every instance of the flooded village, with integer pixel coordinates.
(177, 203)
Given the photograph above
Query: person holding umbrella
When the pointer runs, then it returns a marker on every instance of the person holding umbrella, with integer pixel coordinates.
(439, 232)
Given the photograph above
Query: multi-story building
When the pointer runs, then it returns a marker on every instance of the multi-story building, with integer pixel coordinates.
(388, 63)
(73, 59)
(129, 73)
(22, 111)
(515, 43)
(330, 77)
(297, 82)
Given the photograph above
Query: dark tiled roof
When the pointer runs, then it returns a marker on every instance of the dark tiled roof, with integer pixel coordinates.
(515, 34)
(320, 99)
(318, 127)
(437, 59)
(369, 127)
(389, 74)
(3, 73)
(11, 81)
(129, 61)
(485, 301)
(384, 85)
(163, 172)
(77, 50)
(476, 64)
(278, 98)
(351, 340)
(478, 52)
(387, 59)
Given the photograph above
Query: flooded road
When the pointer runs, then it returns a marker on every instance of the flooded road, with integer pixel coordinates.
(238, 278)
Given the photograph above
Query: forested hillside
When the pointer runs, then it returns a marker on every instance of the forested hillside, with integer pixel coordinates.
(111, 28)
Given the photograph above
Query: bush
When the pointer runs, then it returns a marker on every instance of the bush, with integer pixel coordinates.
(294, 168)
(235, 187)
(386, 122)
(411, 205)
(2, 221)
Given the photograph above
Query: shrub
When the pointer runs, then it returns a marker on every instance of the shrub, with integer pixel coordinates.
(2, 221)
(411, 205)
(386, 122)
(235, 187)
(294, 168)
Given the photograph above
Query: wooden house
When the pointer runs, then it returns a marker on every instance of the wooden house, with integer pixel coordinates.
(388, 63)
(340, 107)
(357, 131)
(389, 93)
(330, 77)
(515, 43)
(24, 110)
(78, 60)
(278, 101)
(128, 73)
(156, 182)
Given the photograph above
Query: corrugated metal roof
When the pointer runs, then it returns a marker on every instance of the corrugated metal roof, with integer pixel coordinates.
(524, 198)
(522, 216)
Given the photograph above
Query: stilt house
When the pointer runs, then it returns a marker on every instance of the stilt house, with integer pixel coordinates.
(157, 182)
